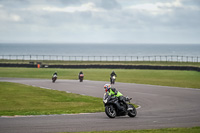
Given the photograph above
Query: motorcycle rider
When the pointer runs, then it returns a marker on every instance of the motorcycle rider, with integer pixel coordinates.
(115, 92)
(112, 74)
(55, 74)
(80, 74)
(54, 77)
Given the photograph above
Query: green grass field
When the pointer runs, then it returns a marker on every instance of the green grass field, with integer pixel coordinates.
(19, 99)
(187, 79)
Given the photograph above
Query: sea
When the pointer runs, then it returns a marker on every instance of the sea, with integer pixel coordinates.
(92, 50)
(100, 49)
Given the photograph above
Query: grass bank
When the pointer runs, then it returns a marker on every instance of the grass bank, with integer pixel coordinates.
(152, 63)
(187, 79)
(19, 99)
(166, 130)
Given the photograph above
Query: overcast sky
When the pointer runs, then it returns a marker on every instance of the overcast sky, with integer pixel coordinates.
(100, 21)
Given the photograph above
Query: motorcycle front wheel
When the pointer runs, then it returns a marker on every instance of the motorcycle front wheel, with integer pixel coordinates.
(110, 111)
(132, 113)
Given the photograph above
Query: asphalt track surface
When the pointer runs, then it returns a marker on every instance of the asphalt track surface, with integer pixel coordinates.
(161, 107)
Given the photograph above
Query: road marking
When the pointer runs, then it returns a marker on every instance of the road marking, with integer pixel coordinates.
(138, 107)
(27, 116)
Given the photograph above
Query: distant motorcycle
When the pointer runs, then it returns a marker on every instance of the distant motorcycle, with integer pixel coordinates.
(112, 110)
(54, 78)
(81, 76)
(112, 79)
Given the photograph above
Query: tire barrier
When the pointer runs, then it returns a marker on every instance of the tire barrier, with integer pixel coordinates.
(188, 68)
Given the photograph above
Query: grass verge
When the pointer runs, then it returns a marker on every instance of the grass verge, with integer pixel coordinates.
(187, 79)
(19, 99)
(165, 130)
(152, 63)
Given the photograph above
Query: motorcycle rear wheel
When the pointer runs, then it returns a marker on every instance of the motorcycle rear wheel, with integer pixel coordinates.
(112, 81)
(110, 111)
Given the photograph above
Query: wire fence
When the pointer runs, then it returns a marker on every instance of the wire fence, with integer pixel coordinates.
(167, 58)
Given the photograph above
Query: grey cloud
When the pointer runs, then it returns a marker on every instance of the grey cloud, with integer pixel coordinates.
(191, 2)
(14, 3)
(114, 22)
(70, 2)
(109, 4)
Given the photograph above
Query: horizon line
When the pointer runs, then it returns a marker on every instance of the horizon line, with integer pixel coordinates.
(96, 43)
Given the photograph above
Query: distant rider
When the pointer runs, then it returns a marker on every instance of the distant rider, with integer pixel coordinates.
(55, 74)
(115, 92)
(54, 77)
(113, 74)
(80, 73)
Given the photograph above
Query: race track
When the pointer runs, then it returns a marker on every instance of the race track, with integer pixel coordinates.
(161, 107)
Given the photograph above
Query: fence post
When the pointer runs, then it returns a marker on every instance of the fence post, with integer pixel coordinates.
(103, 58)
(177, 58)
